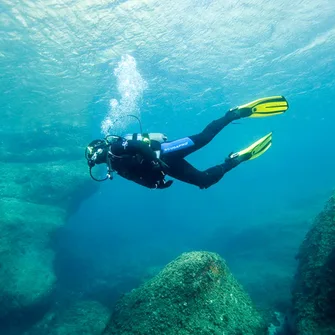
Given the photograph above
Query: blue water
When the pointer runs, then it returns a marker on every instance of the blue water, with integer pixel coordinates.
(178, 65)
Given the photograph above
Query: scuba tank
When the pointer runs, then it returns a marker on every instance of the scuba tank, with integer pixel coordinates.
(146, 137)
(158, 137)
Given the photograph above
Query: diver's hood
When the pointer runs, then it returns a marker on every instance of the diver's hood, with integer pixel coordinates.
(96, 153)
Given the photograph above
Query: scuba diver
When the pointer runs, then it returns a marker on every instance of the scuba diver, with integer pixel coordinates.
(147, 158)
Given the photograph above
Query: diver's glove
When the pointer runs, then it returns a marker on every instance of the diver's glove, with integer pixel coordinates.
(164, 184)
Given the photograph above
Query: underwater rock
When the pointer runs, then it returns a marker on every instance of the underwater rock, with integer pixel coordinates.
(80, 318)
(314, 285)
(194, 294)
(38, 193)
(25, 261)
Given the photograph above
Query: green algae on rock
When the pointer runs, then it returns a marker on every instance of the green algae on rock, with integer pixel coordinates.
(194, 294)
(314, 286)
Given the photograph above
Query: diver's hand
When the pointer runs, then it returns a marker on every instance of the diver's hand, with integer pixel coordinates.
(164, 184)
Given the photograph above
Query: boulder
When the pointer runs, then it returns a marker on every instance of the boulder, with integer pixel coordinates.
(314, 284)
(39, 189)
(194, 294)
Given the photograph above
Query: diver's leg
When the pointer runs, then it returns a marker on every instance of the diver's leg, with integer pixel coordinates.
(213, 129)
(184, 171)
(182, 147)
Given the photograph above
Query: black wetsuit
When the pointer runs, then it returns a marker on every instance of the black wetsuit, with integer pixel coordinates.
(136, 161)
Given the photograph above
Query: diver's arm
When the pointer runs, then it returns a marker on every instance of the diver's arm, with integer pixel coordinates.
(139, 147)
(133, 147)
